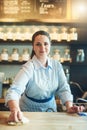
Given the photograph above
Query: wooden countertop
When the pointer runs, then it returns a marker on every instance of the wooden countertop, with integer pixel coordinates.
(46, 121)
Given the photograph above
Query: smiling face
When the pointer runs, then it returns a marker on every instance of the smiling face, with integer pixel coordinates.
(41, 46)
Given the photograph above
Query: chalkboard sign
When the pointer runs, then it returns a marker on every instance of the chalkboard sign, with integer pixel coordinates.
(23, 10)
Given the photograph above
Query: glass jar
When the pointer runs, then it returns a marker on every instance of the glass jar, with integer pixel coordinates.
(26, 34)
(25, 55)
(4, 54)
(67, 55)
(67, 74)
(54, 33)
(56, 55)
(80, 55)
(9, 34)
(15, 55)
(1, 33)
(64, 34)
(18, 34)
(73, 34)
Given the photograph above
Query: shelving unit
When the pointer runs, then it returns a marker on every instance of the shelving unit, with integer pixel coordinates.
(72, 45)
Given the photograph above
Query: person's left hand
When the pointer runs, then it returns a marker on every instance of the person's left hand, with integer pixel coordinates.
(75, 109)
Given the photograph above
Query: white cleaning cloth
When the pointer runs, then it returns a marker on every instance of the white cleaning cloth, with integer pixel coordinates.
(23, 121)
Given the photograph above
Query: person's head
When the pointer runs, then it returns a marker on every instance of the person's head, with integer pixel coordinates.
(41, 42)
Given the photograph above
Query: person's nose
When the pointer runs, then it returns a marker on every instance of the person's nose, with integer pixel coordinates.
(42, 47)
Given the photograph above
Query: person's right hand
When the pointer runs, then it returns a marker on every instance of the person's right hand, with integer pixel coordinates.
(15, 116)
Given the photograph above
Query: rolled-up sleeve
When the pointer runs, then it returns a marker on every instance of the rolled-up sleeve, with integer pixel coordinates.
(63, 91)
(19, 84)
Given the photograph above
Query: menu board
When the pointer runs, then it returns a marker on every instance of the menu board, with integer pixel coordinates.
(52, 8)
(23, 10)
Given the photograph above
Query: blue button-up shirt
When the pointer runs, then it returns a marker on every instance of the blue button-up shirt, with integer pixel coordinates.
(40, 82)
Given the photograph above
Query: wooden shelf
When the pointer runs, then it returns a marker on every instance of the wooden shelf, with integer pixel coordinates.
(2, 100)
(12, 62)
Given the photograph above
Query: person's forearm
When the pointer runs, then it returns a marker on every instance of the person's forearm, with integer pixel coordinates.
(13, 105)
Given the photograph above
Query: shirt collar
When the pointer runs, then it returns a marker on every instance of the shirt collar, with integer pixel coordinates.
(38, 65)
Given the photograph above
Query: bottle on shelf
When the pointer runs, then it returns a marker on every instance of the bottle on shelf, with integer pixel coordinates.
(67, 55)
(64, 34)
(6, 84)
(9, 33)
(26, 34)
(59, 35)
(80, 55)
(25, 55)
(4, 33)
(56, 55)
(73, 34)
(4, 55)
(1, 33)
(54, 33)
(18, 34)
(15, 54)
(67, 74)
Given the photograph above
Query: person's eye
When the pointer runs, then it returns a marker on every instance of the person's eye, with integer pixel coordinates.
(38, 44)
(45, 43)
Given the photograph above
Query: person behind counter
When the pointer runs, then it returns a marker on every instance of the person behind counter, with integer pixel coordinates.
(36, 84)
